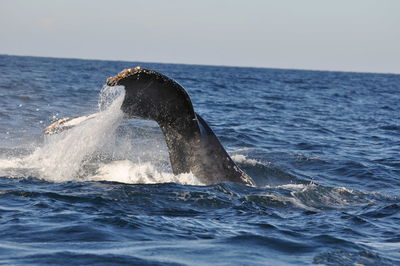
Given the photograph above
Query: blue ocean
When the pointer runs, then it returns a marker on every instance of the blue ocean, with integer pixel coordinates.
(322, 147)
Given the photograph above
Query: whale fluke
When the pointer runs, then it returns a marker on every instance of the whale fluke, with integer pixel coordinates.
(192, 145)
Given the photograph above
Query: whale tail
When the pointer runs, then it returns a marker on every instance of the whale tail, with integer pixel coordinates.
(192, 145)
(151, 95)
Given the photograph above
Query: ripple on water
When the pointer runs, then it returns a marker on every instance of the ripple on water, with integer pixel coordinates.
(322, 147)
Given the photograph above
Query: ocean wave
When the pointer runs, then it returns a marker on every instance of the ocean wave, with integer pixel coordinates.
(343, 257)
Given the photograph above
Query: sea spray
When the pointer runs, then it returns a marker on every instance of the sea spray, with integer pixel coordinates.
(62, 155)
(109, 95)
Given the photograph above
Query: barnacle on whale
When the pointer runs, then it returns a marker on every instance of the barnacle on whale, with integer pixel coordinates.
(111, 81)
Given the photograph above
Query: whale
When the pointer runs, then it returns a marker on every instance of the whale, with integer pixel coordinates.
(192, 145)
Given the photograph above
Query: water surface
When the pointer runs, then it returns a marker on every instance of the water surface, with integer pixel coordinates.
(323, 148)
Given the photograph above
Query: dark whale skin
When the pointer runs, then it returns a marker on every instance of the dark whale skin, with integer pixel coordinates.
(192, 145)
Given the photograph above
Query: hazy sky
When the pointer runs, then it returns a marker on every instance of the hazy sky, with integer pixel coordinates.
(349, 35)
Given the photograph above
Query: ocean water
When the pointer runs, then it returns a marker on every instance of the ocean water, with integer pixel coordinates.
(323, 148)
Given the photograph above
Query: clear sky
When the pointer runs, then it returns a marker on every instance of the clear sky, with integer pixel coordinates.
(348, 35)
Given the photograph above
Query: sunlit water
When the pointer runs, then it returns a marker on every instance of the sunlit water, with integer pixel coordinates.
(323, 148)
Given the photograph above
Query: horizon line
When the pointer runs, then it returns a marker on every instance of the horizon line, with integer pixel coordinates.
(197, 64)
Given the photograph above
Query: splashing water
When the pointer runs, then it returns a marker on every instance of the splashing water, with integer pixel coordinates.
(73, 155)
(109, 95)
(62, 155)
(126, 171)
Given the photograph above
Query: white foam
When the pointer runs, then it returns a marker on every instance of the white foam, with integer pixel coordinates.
(239, 158)
(313, 197)
(288, 200)
(289, 186)
(140, 173)
(11, 167)
(10, 163)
